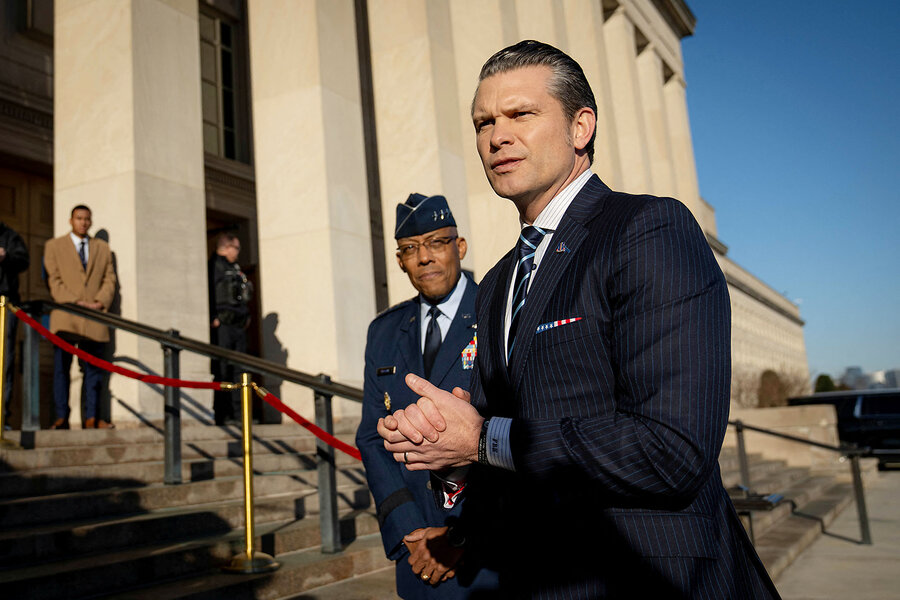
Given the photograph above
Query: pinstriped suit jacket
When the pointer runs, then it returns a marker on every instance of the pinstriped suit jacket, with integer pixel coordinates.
(618, 418)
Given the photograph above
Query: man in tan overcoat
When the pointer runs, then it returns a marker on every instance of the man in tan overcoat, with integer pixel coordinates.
(79, 271)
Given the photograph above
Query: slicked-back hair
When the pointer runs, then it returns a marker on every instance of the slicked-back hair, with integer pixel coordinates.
(567, 83)
(79, 207)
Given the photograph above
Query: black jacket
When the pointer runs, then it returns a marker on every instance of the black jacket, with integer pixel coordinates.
(15, 262)
(229, 291)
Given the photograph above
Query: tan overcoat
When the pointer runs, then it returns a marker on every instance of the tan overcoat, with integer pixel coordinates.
(69, 282)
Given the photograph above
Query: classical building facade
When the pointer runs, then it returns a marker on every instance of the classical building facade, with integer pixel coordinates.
(301, 124)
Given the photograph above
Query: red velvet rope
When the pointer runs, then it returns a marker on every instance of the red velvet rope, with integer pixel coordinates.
(108, 366)
(168, 381)
(320, 433)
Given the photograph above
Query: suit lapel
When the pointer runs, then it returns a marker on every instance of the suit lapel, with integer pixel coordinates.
(408, 342)
(72, 258)
(92, 257)
(571, 232)
(460, 333)
(494, 329)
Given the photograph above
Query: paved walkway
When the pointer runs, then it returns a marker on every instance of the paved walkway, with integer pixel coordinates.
(834, 568)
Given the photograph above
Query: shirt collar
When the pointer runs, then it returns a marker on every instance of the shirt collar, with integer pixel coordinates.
(450, 304)
(550, 217)
(77, 240)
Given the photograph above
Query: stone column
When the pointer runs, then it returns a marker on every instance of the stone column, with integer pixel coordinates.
(128, 144)
(627, 103)
(587, 45)
(687, 189)
(420, 143)
(312, 206)
(659, 148)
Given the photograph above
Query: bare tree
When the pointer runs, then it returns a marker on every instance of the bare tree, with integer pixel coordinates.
(744, 388)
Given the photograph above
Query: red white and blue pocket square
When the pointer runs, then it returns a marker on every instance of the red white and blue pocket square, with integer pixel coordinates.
(553, 324)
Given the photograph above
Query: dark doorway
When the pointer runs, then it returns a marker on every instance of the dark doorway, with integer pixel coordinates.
(216, 223)
(26, 205)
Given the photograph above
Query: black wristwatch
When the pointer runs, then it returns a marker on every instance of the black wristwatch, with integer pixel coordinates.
(482, 442)
(456, 537)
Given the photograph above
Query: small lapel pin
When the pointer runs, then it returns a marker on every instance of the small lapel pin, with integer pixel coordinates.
(387, 401)
(562, 248)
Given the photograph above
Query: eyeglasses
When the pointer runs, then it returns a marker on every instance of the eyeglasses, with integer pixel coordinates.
(435, 246)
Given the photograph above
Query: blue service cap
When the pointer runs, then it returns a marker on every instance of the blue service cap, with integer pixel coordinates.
(421, 214)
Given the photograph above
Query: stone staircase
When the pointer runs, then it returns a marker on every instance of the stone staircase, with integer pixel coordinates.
(84, 514)
(814, 499)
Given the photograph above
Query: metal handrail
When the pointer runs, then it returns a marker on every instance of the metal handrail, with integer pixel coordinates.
(177, 342)
(846, 451)
(172, 344)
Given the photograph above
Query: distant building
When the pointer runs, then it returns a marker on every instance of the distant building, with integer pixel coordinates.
(892, 378)
(856, 379)
(301, 125)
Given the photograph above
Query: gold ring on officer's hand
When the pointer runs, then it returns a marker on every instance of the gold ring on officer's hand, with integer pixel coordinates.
(406, 460)
(425, 577)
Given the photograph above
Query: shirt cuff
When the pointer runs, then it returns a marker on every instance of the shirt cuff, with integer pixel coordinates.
(499, 453)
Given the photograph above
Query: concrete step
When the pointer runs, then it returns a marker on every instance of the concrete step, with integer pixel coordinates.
(729, 461)
(28, 546)
(800, 492)
(775, 482)
(136, 499)
(115, 452)
(377, 585)
(782, 543)
(154, 434)
(759, 469)
(64, 479)
(124, 571)
(301, 574)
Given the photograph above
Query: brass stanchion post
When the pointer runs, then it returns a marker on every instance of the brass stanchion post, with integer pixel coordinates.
(3, 383)
(249, 561)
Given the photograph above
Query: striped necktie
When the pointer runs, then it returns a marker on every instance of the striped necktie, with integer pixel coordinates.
(529, 240)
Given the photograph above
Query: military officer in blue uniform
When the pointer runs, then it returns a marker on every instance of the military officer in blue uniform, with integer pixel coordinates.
(433, 334)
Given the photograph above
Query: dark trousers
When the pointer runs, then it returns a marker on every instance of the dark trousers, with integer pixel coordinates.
(10, 367)
(227, 405)
(93, 377)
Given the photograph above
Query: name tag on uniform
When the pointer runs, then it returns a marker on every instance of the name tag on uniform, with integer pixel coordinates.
(380, 371)
(469, 353)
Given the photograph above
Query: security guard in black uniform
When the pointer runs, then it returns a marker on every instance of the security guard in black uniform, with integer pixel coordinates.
(432, 335)
(229, 296)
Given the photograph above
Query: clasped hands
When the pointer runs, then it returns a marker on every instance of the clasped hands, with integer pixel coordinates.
(439, 431)
(431, 557)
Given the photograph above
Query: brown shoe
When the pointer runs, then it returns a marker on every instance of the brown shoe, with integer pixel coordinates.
(60, 424)
(90, 423)
(101, 424)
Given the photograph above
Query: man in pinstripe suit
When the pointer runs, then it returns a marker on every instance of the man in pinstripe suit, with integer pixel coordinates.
(601, 388)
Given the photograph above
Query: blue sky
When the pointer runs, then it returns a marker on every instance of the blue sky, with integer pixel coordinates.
(795, 115)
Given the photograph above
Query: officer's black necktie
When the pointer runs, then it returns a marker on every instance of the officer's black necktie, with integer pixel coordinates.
(432, 340)
(529, 240)
(82, 254)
